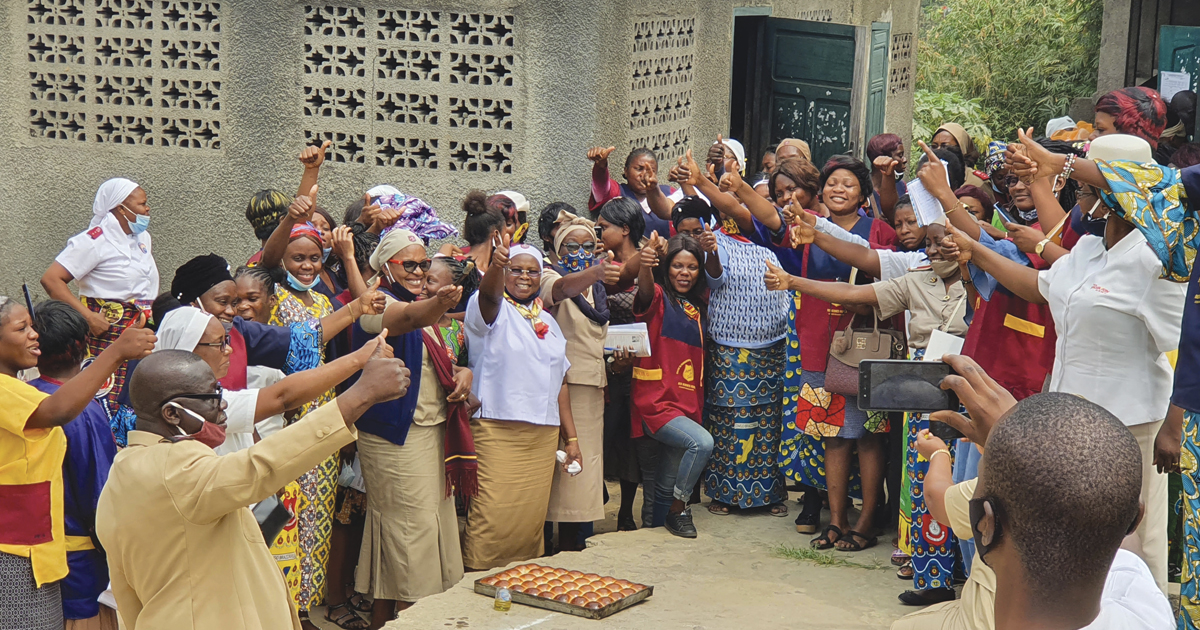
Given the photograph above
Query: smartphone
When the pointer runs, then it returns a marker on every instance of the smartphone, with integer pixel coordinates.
(912, 386)
(1004, 215)
(599, 234)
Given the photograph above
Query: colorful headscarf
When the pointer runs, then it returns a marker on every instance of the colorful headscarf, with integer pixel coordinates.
(265, 210)
(567, 223)
(1151, 197)
(995, 157)
(417, 217)
(307, 230)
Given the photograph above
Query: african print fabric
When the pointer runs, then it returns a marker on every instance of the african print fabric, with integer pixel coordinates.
(743, 414)
(119, 315)
(1151, 197)
(314, 505)
(1189, 464)
(931, 545)
(22, 604)
(802, 455)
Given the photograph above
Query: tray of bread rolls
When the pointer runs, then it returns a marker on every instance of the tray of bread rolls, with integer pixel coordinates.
(573, 592)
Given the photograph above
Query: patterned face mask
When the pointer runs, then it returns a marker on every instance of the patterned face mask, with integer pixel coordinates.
(578, 261)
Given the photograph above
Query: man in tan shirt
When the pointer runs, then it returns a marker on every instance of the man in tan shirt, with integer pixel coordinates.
(183, 549)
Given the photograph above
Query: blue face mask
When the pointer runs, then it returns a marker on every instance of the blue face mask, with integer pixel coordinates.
(140, 222)
(325, 253)
(300, 286)
(578, 261)
(1092, 226)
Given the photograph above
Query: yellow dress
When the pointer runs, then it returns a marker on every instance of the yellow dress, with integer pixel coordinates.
(302, 548)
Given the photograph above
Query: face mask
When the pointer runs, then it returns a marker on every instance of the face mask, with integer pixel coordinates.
(300, 286)
(398, 290)
(1091, 225)
(140, 222)
(210, 434)
(578, 261)
(325, 253)
(977, 514)
(944, 268)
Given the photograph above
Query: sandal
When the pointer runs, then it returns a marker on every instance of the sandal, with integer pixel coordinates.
(823, 541)
(358, 602)
(779, 509)
(854, 545)
(347, 620)
(719, 509)
(905, 572)
(899, 557)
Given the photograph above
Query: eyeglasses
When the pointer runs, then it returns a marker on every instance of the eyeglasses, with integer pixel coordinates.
(222, 344)
(210, 396)
(693, 233)
(532, 273)
(412, 265)
(573, 248)
(1011, 180)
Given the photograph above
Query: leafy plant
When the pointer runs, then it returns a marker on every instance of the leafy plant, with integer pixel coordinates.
(931, 109)
(1021, 62)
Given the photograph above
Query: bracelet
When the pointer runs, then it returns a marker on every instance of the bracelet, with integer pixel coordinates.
(573, 439)
(953, 208)
(938, 452)
(354, 315)
(1069, 166)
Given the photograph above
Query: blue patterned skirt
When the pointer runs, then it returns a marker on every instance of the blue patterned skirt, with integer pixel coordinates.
(743, 413)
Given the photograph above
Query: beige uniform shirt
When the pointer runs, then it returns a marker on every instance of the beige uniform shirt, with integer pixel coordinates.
(184, 551)
(585, 338)
(431, 399)
(979, 593)
(929, 299)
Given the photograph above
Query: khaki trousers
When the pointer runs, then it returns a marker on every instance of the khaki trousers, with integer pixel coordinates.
(1153, 530)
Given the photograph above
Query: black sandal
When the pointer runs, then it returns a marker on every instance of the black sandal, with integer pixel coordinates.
(357, 601)
(347, 620)
(823, 542)
(871, 541)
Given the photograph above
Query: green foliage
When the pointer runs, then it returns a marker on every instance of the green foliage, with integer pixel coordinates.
(931, 109)
(1007, 63)
(806, 554)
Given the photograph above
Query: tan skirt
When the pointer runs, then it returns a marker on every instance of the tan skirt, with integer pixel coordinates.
(106, 620)
(410, 546)
(516, 468)
(580, 499)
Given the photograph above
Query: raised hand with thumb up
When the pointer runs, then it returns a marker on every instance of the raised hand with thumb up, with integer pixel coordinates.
(650, 251)
(372, 302)
(607, 272)
(708, 240)
(135, 342)
(777, 279)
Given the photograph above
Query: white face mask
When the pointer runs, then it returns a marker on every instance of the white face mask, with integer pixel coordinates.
(943, 268)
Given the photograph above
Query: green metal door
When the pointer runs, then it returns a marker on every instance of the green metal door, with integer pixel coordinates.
(810, 80)
(1179, 51)
(877, 79)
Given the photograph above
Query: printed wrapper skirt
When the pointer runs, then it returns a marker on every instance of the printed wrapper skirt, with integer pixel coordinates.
(516, 468)
(1189, 464)
(119, 316)
(24, 606)
(743, 414)
(410, 546)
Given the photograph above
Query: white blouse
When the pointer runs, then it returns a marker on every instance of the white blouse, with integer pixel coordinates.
(1114, 319)
(516, 375)
(109, 264)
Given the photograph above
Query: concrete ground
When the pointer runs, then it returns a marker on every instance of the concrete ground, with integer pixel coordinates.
(732, 576)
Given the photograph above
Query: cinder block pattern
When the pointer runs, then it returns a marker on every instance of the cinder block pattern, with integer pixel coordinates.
(409, 88)
(660, 87)
(134, 72)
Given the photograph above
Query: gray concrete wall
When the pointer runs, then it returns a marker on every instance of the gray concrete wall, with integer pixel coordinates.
(204, 103)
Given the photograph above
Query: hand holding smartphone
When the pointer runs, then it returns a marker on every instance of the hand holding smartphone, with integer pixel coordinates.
(909, 386)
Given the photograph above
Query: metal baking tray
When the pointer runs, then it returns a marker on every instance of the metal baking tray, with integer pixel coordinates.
(570, 609)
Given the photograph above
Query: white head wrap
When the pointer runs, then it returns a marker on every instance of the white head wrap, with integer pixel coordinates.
(521, 248)
(395, 240)
(518, 200)
(109, 195)
(181, 329)
(1120, 147)
(383, 190)
(739, 151)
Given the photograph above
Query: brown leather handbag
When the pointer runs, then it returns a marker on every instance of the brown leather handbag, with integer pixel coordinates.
(852, 345)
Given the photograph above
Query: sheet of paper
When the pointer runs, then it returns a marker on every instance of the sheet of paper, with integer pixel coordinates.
(634, 336)
(926, 206)
(1171, 83)
(942, 343)
(107, 598)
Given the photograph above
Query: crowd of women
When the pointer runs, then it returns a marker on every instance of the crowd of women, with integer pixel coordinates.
(1061, 263)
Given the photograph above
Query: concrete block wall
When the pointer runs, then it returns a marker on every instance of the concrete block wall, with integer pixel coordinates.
(206, 102)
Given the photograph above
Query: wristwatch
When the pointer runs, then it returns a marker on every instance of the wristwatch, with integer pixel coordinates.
(1040, 247)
